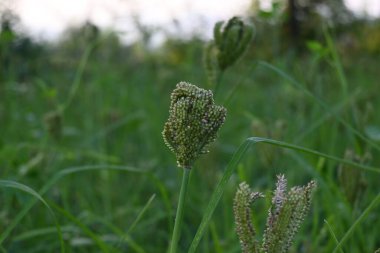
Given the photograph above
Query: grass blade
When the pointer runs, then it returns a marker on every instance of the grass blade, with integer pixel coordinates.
(338, 65)
(372, 205)
(40, 232)
(320, 102)
(141, 213)
(103, 246)
(123, 236)
(54, 180)
(332, 234)
(217, 194)
(78, 76)
(313, 152)
(327, 115)
(30, 191)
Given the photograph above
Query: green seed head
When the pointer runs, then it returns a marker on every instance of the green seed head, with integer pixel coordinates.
(288, 211)
(193, 123)
(243, 200)
(231, 41)
(53, 124)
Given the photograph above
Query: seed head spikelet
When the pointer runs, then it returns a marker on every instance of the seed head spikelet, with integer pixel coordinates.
(193, 123)
(243, 200)
(288, 210)
(286, 215)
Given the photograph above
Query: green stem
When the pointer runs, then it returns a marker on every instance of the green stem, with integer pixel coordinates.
(218, 83)
(178, 218)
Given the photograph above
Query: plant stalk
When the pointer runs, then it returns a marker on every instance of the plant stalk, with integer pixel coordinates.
(179, 214)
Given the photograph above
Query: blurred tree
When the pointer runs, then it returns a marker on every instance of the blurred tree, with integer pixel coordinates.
(302, 19)
(19, 54)
(7, 38)
(371, 37)
(76, 39)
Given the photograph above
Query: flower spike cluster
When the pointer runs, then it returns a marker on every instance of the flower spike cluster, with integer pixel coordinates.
(288, 210)
(193, 123)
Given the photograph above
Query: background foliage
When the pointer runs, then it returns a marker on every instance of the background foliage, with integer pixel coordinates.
(89, 100)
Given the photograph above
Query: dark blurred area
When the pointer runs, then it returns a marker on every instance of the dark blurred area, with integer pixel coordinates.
(20, 55)
(299, 25)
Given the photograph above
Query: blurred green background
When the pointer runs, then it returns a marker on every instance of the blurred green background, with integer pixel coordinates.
(87, 99)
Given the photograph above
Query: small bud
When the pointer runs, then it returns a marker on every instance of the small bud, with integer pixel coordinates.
(193, 123)
(231, 40)
(53, 124)
(352, 181)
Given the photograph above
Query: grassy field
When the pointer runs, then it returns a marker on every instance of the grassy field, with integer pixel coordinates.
(81, 147)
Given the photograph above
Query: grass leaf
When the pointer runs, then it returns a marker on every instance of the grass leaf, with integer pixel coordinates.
(54, 180)
(30, 191)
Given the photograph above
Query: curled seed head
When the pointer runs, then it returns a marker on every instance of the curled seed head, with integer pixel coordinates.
(231, 40)
(53, 124)
(193, 123)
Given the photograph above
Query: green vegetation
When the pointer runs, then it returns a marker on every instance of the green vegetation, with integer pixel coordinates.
(84, 168)
(285, 216)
